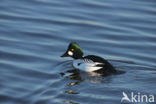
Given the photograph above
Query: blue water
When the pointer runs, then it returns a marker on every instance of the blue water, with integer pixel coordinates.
(34, 33)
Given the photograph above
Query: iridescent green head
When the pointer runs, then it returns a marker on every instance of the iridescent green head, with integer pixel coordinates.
(73, 51)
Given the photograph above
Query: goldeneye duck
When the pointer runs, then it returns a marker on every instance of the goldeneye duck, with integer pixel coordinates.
(90, 63)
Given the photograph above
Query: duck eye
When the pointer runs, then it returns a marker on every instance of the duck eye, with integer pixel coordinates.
(72, 49)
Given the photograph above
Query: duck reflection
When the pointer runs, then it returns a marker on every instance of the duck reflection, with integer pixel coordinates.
(77, 77)
(70, 102)
(91, 77)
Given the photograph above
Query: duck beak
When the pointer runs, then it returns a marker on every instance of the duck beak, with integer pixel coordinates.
(65, 55)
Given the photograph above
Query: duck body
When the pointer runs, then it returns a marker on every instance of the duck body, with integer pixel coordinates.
(90, 63)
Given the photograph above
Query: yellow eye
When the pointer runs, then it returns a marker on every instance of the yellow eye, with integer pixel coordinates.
(72, 49)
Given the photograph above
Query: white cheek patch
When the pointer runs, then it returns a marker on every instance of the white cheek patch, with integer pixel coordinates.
(70, 53)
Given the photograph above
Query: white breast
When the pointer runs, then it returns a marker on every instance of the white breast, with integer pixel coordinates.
(86, 65)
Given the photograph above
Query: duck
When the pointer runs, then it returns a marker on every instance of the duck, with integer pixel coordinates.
(89, 63)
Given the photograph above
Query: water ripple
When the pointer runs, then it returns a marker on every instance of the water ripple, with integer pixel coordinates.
(33, 35)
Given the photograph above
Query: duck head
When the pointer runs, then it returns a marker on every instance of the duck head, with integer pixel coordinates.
(73, 51)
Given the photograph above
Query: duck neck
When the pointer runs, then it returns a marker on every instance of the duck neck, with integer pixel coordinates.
(78, 57)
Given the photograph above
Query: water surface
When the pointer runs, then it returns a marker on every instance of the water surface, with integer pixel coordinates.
(33, 35)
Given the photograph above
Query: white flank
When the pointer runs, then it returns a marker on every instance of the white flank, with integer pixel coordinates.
(86, 65)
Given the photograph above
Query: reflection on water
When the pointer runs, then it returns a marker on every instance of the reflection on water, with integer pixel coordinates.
(70, 102)
(91, 77)
(33, 35)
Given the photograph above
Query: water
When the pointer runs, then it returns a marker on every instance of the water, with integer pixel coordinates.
(33, 35)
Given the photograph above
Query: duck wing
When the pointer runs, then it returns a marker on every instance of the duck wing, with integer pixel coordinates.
(101, 62)
(95, 58)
